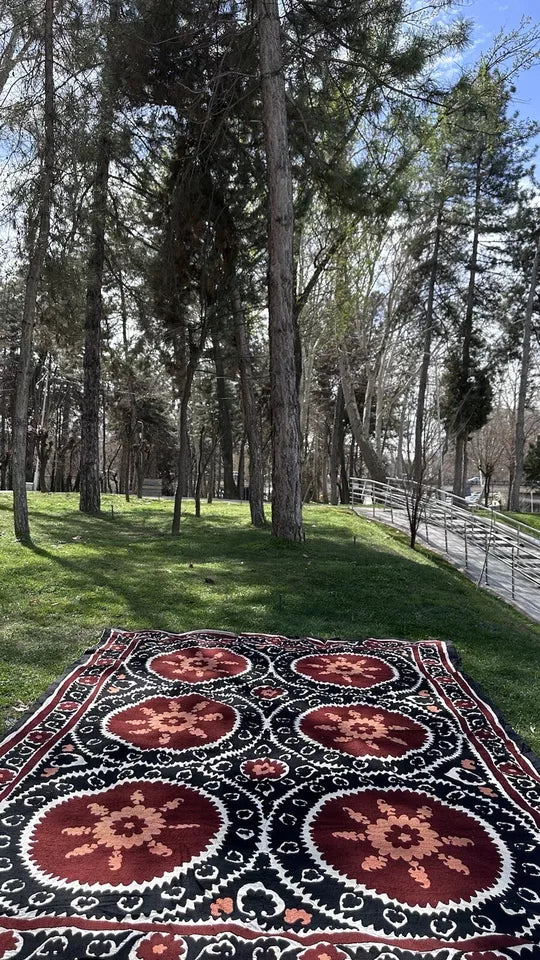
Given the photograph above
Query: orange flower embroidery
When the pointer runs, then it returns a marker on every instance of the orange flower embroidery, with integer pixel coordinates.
(136, 825)
(223, 905)
(359, 727)
(404, 837)
(173, 719)
(297, 916)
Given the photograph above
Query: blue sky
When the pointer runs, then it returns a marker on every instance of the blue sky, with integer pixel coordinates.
(489, 17)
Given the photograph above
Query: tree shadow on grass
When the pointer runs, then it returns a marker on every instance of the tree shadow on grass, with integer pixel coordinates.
(328, 586)
(144, 521)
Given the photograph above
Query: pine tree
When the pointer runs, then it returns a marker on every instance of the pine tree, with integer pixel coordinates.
(90, 487)
(37, 242)
(489, 156)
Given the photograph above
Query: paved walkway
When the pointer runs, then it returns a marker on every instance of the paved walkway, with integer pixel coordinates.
(499, 577)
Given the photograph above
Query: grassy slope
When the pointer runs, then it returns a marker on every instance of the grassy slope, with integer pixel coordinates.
(531, 519)
(84, 574)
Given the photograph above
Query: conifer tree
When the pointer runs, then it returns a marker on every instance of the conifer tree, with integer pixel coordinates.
(37, 242)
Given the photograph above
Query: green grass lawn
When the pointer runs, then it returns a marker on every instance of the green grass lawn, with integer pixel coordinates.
(351, 578)
(531, 519)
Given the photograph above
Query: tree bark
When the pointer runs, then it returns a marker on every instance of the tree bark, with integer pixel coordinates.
(374, 466)
(230, 490)
(10, 58)
(336, 445)
(42, 434)
(241, 469)
(104, 442)
(462, 431)
(3, 421)
(251, 413)
(38, 251)
(285, 407)
(343, 475)
(63, 440)
(523, 383)
(458, 488)
(201, 465)
(211, 479)
(195, 348)
(139, 459)
(183, 441)
(324, 473)
(90, 491)
(418, 463)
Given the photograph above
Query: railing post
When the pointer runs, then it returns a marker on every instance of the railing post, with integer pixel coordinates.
(513, 574)
(445, 534)
(391, 508)
(518, 532)
(466, 548)
(486, 566)
(426, 525)
(373, 499)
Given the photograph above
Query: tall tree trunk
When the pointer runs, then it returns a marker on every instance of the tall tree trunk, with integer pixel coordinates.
(374, 466)
(3, 421)
(183, 441)
(419, 460)
(104, 441)
(56, 444)
(457, 485)
(45, 451)
(308, 364)
(125, 468)
(523, 383)
(63, 439)
(230, 490)
(211, 478)
(336, 445)
(462, 428)
(251, 412)
(343, 475)
(139, 459)
(286, 437)
(509, 498)
(200, 471)
(195, 347)
(241, 469)
(42, 434)
(218, 478)
(38, 249)
(399, 464)
(379, 407)
(324, 473)
(90, 491)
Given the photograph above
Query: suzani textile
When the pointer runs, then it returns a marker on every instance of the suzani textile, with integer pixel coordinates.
(210, 797)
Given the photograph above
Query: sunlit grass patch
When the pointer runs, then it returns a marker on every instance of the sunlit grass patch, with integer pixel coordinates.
(351, 578)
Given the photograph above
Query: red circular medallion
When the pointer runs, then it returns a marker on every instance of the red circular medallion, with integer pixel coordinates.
(363, 731)
(406, 845)
(175, 723)
(133, 833)
(345, 669)
(199, 664)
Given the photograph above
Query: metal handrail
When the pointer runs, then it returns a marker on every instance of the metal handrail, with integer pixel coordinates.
(511, 544)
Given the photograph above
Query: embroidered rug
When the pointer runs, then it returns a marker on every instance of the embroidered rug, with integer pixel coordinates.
(203, 796)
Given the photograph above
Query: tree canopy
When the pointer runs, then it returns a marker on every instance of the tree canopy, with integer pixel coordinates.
(252, 251)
